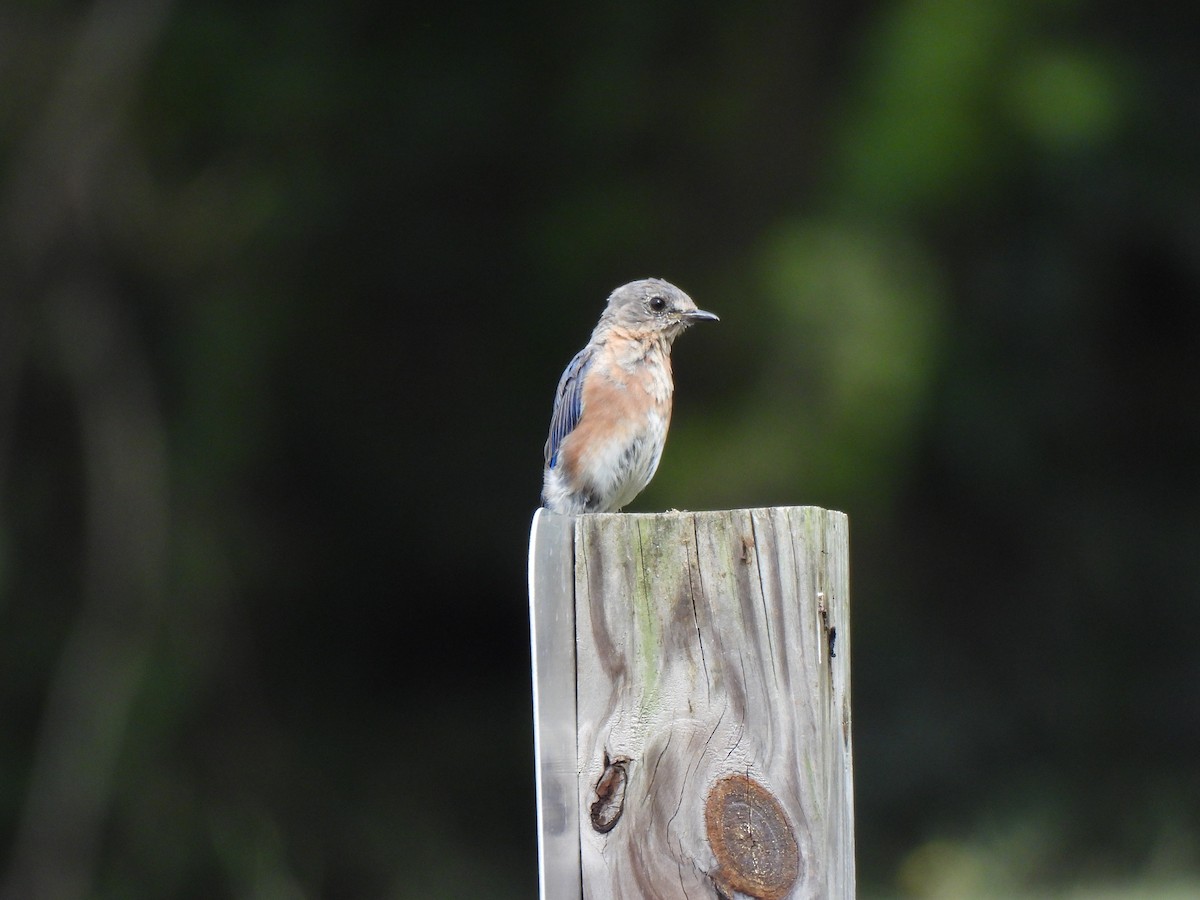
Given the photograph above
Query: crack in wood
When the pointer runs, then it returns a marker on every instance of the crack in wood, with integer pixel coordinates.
(762, 595)
(657, 763)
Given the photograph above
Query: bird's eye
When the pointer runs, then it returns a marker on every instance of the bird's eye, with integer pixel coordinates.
(658, 304)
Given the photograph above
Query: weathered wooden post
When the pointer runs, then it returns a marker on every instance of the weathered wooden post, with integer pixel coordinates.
(692, 704)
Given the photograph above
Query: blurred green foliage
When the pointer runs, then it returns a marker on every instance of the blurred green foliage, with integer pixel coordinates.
(287, 290)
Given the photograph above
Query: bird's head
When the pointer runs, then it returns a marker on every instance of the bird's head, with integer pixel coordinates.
(654, 306)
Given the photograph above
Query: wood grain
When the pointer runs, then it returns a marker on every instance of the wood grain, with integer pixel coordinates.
(703, 652)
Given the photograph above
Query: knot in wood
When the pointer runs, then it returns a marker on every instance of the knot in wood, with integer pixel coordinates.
(751, 838)
(610, 794)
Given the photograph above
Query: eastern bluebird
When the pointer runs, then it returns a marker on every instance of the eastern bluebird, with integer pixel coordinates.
(613, 403)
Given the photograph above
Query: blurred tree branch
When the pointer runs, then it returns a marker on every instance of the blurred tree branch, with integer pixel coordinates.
(52, 205)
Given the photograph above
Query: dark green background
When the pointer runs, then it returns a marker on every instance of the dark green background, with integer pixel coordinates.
(286, 291)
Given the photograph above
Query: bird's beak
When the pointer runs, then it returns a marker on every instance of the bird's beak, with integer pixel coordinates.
(699, 315)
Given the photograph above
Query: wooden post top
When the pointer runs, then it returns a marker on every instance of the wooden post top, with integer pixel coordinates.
(712, 711)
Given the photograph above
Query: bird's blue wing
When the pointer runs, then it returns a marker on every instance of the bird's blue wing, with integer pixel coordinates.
(568, 404)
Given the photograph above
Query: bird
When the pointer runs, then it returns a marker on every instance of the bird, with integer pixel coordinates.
(613, 403)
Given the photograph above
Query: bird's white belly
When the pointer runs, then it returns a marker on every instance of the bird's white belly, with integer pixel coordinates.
(624, 467)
